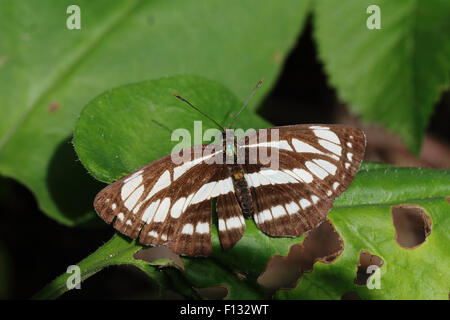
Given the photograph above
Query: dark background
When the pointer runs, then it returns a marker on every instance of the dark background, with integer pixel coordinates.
(39, 249)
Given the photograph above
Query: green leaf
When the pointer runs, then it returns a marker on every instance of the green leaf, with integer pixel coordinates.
(362, 216)
(392, 76)
(48, 73)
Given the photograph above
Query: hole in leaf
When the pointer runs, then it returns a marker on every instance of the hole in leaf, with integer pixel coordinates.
(281, 272)
(321, 244)
(367, 265)
(412, 225)
(352, 295)
(153, 254)
(213, 293)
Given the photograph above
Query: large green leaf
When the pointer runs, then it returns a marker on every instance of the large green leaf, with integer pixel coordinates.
(392, 76)
(361, 215)
(48, 73)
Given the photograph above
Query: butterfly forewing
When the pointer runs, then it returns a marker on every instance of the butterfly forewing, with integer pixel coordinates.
(316, 163)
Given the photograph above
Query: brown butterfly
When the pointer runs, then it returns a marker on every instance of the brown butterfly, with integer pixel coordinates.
(164, 203)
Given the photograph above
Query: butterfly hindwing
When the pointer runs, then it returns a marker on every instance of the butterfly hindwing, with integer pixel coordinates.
(194, 231)
(230, 220)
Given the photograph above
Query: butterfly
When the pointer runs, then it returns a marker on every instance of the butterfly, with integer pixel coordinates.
(168, 203)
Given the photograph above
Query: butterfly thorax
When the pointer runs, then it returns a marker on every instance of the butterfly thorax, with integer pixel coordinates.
(236, 171)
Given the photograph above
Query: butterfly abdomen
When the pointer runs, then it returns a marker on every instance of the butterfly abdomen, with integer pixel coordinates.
(242, 190)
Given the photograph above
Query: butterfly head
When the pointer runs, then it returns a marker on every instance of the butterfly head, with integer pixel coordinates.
(230, 150)
(229, 143)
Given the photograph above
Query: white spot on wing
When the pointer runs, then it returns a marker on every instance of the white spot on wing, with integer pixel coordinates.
(282, 144)
(177, 208)
(204, 192)
(181, 169)
(316, 170)
(120, 216)
(202, 227)
(163, 209)
(267, 215)
(305, 203)
(278, 211)
(328, 166)
(277, 177)
(261, 217)
(301, 146)
(134, 175)
(335, 185)
(153, 234)
(132, 200)
(327, 135)
(227, 186)
(188, 202)
(222, 225)
(136, 209)
(304, 175)
(252, 179)
(130, 186)
(188, 229)
(331, 146)
(222, 187)
(262, 179)
(233, 223)
(150, 212)
(163, 182)
(292, 207)
(350, 156)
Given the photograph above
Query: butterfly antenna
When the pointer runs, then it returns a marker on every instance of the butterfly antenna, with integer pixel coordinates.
(246, 102)
(201, 112)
